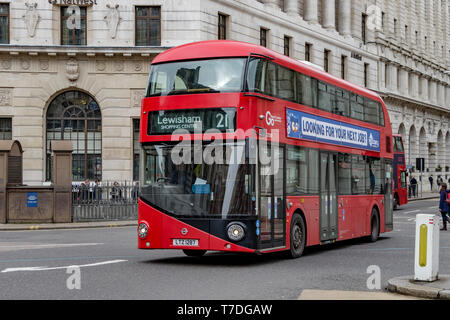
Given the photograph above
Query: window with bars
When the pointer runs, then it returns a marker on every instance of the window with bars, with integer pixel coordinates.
(326, 60)
(366, 75)
(363, 27)
(287, 46)
(5, 129)
(222, 25)
(308, 47)
(148, 26)
(4, 23)
(75, 116)
(343, 66)
(263, 37)
(73, 32)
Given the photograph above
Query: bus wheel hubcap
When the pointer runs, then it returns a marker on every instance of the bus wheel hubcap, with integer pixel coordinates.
(297, 236)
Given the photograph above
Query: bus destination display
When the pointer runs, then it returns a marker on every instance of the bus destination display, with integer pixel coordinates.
(166, 122)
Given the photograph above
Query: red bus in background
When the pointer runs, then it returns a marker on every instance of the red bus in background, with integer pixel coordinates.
(247, 150)
(400, 184)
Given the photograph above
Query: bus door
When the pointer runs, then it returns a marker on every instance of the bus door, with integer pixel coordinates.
(328, 218)
(388, 197)
(272, 213)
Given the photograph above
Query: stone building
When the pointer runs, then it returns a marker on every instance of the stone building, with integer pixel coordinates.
(79, 72)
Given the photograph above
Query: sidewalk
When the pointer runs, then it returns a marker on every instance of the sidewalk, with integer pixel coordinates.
(425, 195)
(439, 289)
(74, 225)
(310, 294)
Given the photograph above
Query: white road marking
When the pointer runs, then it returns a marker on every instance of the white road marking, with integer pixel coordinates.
(57, 268)
(5, 246)
(411, 211)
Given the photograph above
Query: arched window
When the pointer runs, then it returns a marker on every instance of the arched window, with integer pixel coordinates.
(76, 116)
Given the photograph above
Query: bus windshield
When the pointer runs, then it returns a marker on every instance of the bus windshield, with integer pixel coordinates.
(185, 187)
(199, 76)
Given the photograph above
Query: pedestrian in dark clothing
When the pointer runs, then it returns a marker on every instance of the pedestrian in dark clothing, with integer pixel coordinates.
(413, 183)
(431, 182)
(135, 191)
(97, 190)
(443, 205)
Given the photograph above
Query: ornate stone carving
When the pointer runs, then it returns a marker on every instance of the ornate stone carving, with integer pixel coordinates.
(136, 96)
(100, 65)
(25, 64)
(112, 20)
(31, 18)
(44, 64)
(138, 66)
(5, 97)
(6, 64)
(72, 69)
(119, 66)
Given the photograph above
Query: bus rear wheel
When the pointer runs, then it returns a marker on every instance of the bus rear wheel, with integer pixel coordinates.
(194, 253)
(374, 226)
(396, 202)
(297, 237)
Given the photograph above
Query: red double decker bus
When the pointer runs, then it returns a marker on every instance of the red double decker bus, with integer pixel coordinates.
(400, 191)
(247, 150)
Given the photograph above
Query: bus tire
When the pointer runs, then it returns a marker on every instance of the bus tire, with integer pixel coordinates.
(396, 202)
(297, 236)
(374, 226)
(194, 253)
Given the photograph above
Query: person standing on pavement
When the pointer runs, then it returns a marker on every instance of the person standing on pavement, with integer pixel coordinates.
(443, 205)
(413, 184)
(431, 182)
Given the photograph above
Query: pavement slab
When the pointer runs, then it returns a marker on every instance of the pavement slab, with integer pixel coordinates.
(439, 289)
(309, 294)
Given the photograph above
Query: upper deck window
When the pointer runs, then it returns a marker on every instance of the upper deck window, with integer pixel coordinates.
(398, 144)
(199, 76)
(269, 78)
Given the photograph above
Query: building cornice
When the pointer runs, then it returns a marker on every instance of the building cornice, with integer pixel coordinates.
(81, 50)
(393, 96)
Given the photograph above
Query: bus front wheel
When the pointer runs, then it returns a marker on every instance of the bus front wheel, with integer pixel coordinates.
(194, 253)
(297, 236)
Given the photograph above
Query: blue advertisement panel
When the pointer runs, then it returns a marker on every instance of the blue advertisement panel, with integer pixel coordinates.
(306, 126)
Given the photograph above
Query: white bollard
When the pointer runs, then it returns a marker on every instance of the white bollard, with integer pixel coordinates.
(426, 260)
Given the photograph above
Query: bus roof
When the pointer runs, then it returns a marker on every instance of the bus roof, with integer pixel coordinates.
(229, 48)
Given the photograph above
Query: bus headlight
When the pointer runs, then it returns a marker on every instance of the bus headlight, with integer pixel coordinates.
(142, 230)
(236, 231)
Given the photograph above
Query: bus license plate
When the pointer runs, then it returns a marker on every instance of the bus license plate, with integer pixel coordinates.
(185, 242)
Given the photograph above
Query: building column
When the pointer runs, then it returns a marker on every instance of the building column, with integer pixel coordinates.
(441, 94)
(291, 7)
(433, 93)
(329, 14)
(345, 17)
(381, 74)
(414, 90)
(424, 88)
(311, 14)
(403, 81)
(392, 78)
